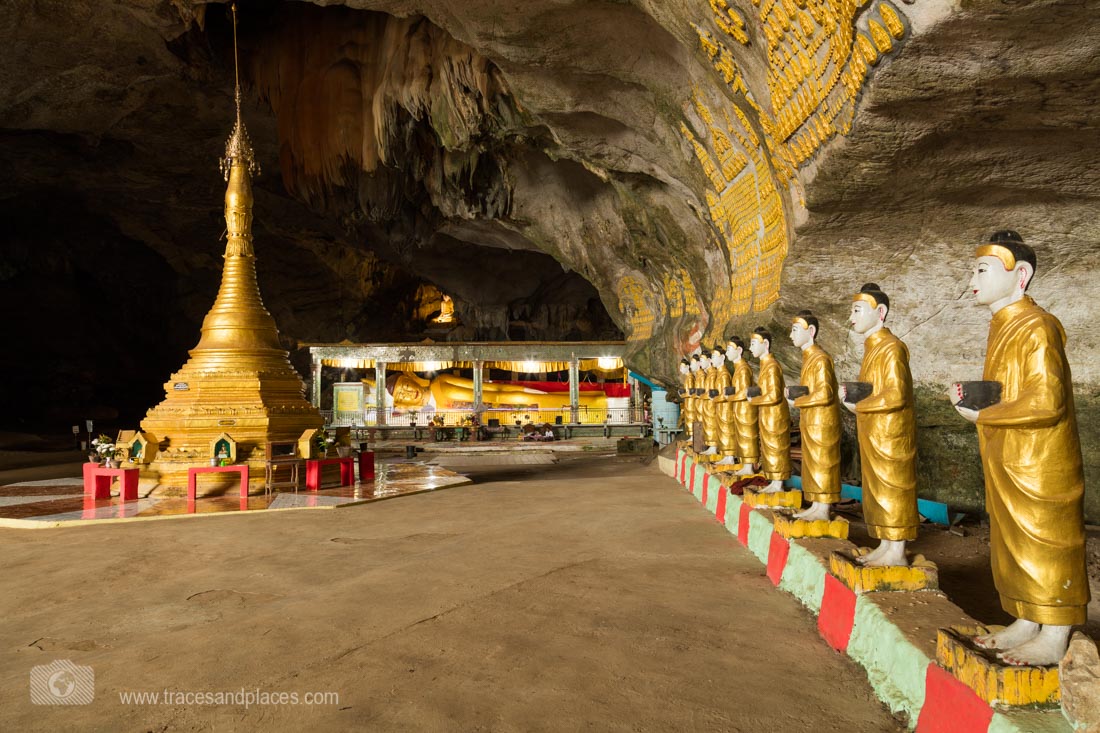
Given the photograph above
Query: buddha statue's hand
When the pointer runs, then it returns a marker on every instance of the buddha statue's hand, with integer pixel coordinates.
(955, 394)
(842, 393)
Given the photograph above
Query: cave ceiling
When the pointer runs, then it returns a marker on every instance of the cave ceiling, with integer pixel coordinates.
(673, 170)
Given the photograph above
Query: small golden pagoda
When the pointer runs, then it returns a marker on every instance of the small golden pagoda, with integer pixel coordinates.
(239, 380)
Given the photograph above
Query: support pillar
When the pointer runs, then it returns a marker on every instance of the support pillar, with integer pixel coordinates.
(380, 393)
(315, 387)
(479, 367)
(574, 390)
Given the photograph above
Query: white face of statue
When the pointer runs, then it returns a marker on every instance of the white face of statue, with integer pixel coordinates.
(991, 282)
(695, 365)
(684, 368)
(801, 336)
(733, 352)
(704, 361)
(758, 347)
(864, 317)
(717, 358)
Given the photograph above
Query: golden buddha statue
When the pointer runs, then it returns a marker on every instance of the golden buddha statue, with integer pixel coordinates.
(1031, 457)
(698, 375)
(744, 412)
(887, 431)
(446, 310)
(707, 406)
(819, 421)
(448, 392)
(723, 408)
(685, 399)
(773, 414)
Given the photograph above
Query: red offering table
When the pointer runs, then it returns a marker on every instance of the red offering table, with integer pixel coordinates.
(192, 473)
(313, 471)
(366, 465)
(97, 481)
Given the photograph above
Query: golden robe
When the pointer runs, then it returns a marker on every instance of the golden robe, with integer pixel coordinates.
(774, 421)
(685, 405)
(887, 433)
(709, 408)
(727, 436)
(694, 379)
(1034, 481)
(820, 427)
(744, 414)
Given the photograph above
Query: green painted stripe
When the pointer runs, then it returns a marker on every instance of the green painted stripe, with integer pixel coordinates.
(1029, 721)
(713, 489)
(895, 667)
(804, 577)
(760, 536)
(733, 513)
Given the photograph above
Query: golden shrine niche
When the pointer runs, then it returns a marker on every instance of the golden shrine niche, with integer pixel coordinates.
(819, 56)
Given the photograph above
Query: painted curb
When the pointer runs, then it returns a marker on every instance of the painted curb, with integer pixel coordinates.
(902, 676)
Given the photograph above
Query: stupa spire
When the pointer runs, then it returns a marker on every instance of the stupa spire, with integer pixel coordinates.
(238, 319)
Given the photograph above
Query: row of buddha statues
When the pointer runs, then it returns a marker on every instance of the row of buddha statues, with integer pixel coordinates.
(1027, 437)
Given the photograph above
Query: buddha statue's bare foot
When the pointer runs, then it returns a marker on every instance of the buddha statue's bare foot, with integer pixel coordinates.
(870, 556)
(727, 461)
(711, 451)
(1017, 633)
(773, 488)
(816, 511)
(1047, 648)
(891, 553)
(746, 470)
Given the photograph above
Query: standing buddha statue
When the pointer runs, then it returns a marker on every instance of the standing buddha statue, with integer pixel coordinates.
(744, 412)
(707, 406)
(819, 421)
(685, 400)
(887, 431)
(723, 409)
(1031, 457)
(773, 414)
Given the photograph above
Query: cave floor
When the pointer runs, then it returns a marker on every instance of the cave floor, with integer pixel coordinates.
(586, 593)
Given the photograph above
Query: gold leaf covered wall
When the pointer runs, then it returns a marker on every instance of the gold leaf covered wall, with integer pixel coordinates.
(818, 55)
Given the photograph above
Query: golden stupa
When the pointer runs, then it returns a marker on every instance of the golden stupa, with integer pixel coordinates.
(239, 380)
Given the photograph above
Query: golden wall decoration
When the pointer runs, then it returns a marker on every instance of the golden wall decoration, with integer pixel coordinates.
(819, 55)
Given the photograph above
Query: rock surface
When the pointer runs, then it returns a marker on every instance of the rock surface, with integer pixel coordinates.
(684, 168)
(1079, 674)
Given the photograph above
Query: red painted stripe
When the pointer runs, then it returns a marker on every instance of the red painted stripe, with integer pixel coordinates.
(950, 706)
(706, 486)
(838, 613)
(777, 559)
(691, 486)
(683, 467)
(720, 506)
(743, 525)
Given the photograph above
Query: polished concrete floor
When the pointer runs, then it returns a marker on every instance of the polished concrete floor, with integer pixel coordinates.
(59, 500)
(590, 594)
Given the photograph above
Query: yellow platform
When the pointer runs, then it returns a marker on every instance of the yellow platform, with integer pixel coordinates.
(919, 575)
(796, 529)
(787, 499)
(993, 681)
